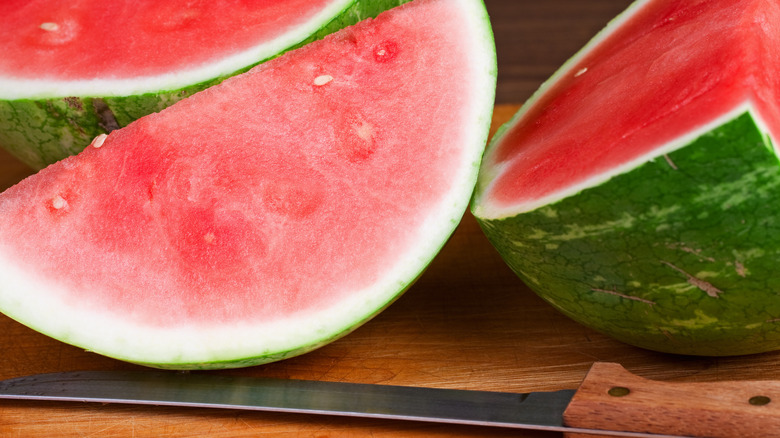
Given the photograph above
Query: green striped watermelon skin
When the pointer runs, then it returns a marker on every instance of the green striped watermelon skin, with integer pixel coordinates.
(677, 255)
(39, 132)
(262, 167)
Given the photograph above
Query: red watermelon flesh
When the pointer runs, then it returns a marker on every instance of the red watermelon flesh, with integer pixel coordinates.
(267, 215)
(70, 71)
(702, 63)
(143, 39)
(637, 191)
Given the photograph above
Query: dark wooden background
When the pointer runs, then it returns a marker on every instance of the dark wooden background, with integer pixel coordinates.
(468, 323)
(534, 37)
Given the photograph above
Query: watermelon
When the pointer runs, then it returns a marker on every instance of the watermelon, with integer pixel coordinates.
(73, 70)
(637, 190)
(267, 215)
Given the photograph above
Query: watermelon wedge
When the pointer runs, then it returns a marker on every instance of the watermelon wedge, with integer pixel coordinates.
(637, 190)
(267, 215)
(73, 70)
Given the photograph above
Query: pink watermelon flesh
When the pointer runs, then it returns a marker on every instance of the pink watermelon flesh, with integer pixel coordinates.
(304, 183)
(663, 94)
(43, 39)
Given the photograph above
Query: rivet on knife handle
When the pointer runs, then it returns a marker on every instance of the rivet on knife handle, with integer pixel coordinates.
(611, 398)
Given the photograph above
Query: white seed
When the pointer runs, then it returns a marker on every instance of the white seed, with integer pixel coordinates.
(59, 202)
(209, 237)
(49, 26)
(98, 141)
(581, 72)
(322, 80)
(365, 131)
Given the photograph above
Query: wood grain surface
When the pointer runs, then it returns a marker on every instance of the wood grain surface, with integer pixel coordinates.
(468, 322)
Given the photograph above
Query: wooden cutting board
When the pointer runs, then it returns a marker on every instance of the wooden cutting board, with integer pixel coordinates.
(468, 323)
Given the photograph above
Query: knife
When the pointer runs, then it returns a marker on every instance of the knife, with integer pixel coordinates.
(610, 401)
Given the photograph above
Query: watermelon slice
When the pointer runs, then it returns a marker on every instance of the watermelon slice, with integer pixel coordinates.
(73, 70)
(267, 215)
(637, 190)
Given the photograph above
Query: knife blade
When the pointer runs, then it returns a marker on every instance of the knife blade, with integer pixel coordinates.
(609, 402)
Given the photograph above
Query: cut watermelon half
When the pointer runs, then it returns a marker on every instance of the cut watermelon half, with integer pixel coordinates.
(71, 71)
(265, 216)
(637, 191)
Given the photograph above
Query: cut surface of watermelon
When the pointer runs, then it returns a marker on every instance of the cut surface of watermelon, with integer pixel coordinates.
(634, 190)
(72, 71)
(636, 91)
(267, 215)
(91, 48)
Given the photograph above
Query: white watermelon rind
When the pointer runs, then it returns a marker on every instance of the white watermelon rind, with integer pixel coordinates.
(340, 11)
(674, 251)
(484, 209)
(229, 347)
(482, 205)
(44, 121)
(490, 172)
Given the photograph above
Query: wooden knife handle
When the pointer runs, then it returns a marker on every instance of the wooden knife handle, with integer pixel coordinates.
(611, 398)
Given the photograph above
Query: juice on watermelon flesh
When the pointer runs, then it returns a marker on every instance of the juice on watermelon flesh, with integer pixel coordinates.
(236, 205)
(644, 86)
(86, 39)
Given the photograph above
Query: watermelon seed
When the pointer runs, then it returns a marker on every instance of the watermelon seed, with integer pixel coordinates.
(581, 72)
(50, 27)
(98, 141)
(209, 237)
(59, 202)
(385, 51)
(364, 131)
(322, 80)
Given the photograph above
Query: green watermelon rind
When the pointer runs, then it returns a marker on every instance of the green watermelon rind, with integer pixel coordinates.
(488, 173)
(42, 130)
(271, 356)
(634, 257)
(217, 346)
(283, 339)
